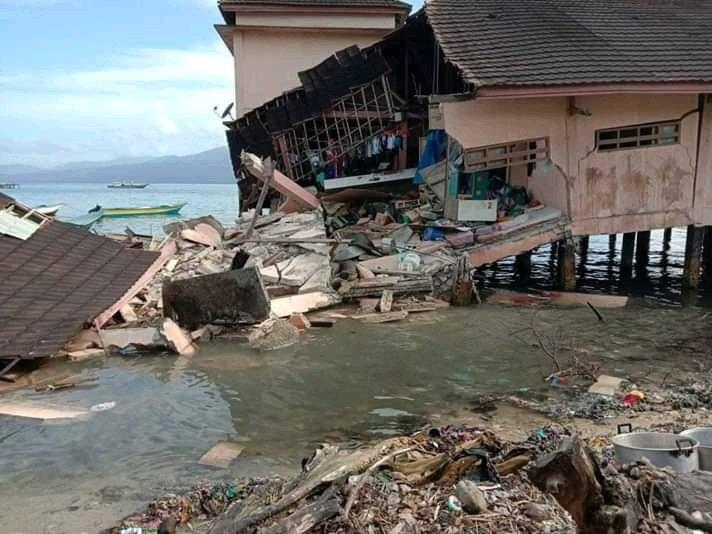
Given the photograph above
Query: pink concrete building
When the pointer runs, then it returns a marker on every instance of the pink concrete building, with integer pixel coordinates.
(600, 110)
(273, 40)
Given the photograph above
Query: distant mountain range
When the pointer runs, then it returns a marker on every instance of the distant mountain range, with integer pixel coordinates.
(209, 167)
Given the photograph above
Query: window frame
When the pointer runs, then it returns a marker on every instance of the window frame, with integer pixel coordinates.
(507, 155)
(653, 139)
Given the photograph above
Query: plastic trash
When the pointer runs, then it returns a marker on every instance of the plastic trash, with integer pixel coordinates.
(454, 504)
(409, 262)
(103, 407)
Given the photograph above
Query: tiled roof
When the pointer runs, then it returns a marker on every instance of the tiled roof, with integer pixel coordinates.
(551, 42)
(326, 3)
(58, 280)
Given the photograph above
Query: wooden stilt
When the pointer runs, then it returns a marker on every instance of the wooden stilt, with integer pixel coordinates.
(567, 265)
(667, 237)
(583, 245)
(523, 265)
(707, 248)
(693, 256)
(627, 255)
(612, 241)
(642, 250)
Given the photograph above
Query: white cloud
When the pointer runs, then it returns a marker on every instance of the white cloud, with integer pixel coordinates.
(143, 102)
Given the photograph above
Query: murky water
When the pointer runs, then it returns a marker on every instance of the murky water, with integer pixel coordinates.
(348, 382)
(352, 381)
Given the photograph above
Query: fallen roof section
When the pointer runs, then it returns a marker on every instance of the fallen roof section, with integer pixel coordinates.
(571, 42)
(56, 281)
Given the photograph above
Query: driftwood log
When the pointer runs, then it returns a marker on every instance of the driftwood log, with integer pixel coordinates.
(327, 506)
(569, 475)
(329, 467)
(638, 497)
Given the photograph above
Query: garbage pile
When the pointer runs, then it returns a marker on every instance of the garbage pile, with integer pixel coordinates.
(441, 480)
(451, 479)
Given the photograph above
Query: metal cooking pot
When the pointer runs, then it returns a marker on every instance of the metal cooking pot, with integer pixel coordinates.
(704, 436)
(662, 449)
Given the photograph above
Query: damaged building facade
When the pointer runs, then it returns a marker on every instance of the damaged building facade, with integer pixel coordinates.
(567, 119)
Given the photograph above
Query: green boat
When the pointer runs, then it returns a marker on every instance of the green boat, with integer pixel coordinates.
(169, 209)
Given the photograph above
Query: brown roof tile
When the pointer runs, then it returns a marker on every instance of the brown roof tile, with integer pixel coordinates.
(553, 42)
(56, 281)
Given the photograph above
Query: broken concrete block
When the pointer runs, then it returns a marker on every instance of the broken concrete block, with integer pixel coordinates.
(221, 454)
(86, 339)
(232, 297)
(300, 321)
(302, 303)
(85, 354)
(278, 334)
(295, 271)
(121, 338)
(178, 340)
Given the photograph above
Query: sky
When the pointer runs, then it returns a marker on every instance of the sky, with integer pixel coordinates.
(95, 80)
(91, 80)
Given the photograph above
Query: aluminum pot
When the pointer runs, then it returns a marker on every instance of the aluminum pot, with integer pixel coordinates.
(704, 436)
(662, 449)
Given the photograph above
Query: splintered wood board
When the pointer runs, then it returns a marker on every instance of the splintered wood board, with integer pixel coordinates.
(39, 412)
(222, 454)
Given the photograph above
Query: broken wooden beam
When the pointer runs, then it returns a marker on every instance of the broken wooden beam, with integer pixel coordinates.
(374, 287)
(280, 182)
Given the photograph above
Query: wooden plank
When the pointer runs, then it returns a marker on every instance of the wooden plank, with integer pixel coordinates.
(280, 182)
(28, 410)
(302, 303)
(376, 318)
(221, 454)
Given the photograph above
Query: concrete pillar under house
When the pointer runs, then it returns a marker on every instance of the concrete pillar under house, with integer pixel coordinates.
(627, 255)
(567, 265)
(693, 257)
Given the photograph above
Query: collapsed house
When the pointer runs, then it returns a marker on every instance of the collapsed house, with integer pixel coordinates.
(525, 124)
(55, 278)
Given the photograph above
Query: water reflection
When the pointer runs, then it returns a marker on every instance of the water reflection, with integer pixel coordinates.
(599, 269)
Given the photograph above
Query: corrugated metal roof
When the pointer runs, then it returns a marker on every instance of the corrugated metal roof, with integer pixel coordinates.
(562, 42)
(58, 280)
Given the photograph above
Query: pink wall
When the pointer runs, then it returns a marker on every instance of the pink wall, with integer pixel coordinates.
(267, 60)
(603, 192)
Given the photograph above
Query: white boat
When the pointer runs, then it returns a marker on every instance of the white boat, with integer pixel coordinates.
(50, 211)
(126, 185)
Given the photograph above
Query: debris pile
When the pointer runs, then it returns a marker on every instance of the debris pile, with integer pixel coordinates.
(441, 480)
(453, 479)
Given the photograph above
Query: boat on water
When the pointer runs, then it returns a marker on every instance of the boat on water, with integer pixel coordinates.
(88, 220)
(127, 185)
(168, 209)
(50, 211)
